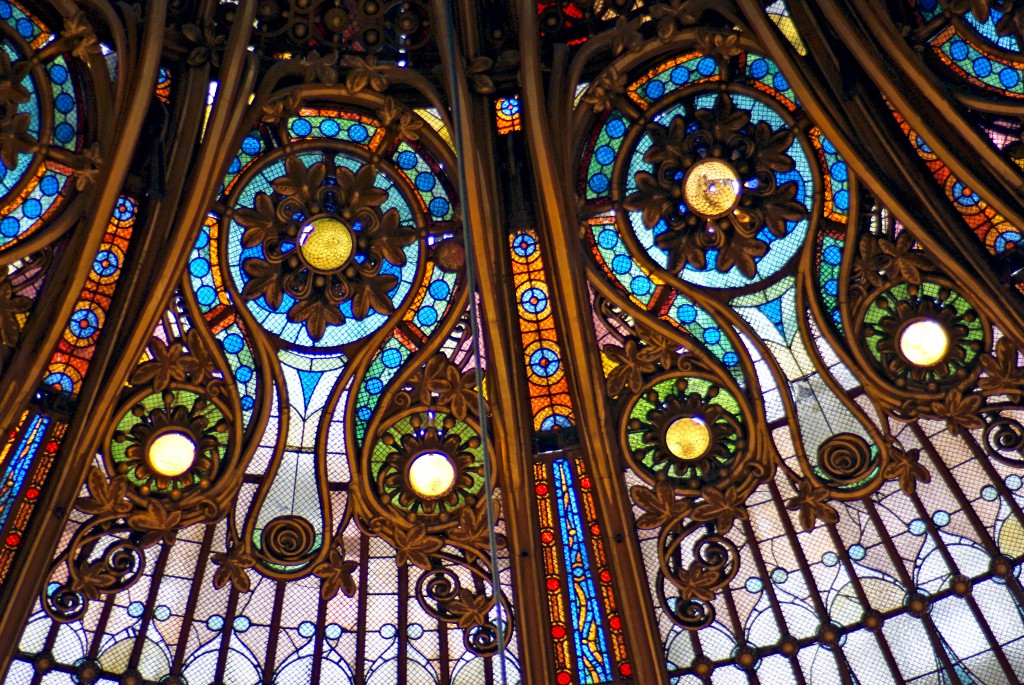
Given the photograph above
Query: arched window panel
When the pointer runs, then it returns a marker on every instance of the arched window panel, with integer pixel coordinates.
(293, 487)
(48, 153)
(818, 425)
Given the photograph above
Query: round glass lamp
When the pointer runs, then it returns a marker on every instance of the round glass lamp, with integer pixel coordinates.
(924, 342)
(431, 475)
(688, 437)
(326, 244)
(171, 454)
(711, 188)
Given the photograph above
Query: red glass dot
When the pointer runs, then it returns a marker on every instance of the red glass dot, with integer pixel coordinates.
(585, 483)
(13, 433)
(558, 632)
(546, 537)
(553, 585)
(51, 447)
(32, 493)
(542, 489)
(626, 670)
(615, 622)
(595, 529)
(563, 678)
(13, 540)
(606, 577)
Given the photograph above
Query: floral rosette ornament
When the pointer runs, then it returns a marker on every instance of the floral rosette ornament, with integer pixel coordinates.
(428, 465)
(688, 429)
(325, 243)
(721, 186)
(170, 443)
(923, 337)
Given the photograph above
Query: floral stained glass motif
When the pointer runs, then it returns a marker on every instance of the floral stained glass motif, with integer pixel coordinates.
(43, 156)
(70, 362)
(549, 390)
(318, 355)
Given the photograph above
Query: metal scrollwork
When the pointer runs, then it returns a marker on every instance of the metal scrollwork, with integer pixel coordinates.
(1004, 439)
(444, 596)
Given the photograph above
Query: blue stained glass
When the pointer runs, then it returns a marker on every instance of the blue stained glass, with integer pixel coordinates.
(425, 181)
(427, 316)
(136, 609)
(301, 127)
(545, 362)
(439, 207)
(330, 128)
(20, 464)
(358, 133)
(857, 552)
(391, 358)
(106, 263)
(406, 160)
(215, 623)
(958, 50)
(9, 226)
(593, 657)
(206, 295)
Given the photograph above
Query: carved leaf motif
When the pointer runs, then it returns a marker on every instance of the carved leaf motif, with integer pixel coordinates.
(671, 17)
(363, 72)
(629, 370)
(903, 466)
(336, 574)
(657, 348)
(208, 45)
(1002, 374)
(698, 582)
(625, 37)
(373, 295)
(14, 139)
(722, 507)
(298, 181)
(660, 505)
(602, 92)
(263, 282)
(232, 569)
(157, 522)
(477, 73)
(404, 123)
(960, 411)
(473, 533)
(281, 108)
(470, 609)
(78, 32)
(724, 45)
(260, 222)
(106, 497)
(90, 160)
(168, 365)
(904, 260)
(414, 546)
(316, 315)
(321, 69)
(92, 579)
(811, 502)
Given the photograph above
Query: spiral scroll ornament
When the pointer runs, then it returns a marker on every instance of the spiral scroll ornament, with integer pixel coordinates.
(288, 540)
(117, 568)
(846, 459)
(445, 596)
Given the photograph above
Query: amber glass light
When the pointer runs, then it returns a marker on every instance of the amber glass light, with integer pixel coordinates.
(431, 475)
(326, 244)
(924, 342)
(171, 454)
(688, 437)
(711, 188)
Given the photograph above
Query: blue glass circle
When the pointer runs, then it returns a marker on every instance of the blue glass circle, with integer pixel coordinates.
(545, 362)
(534, 300)
(524, 245)
(391, 358)
(604, 155)
(439, 290)
(251, 145)
(941, 519)
(9, 227)
(621, 264)
(754, 585)
(243, 374)
(199, 267)
(958, 50)
(206, 295)
(607, 238)
(982, 66)
(780, 82)
(832, 287)
(780, 576)
(439, 207)
(616, 128)
(58, 74)
(233, 343)
(406, 160)
(162, 612)
(426, 316)
(641, 285)
(842, 200)
(731, 359)
(712, 336)
(215, 623)
(64, 132)
(49, 185)
(989, 493)
(687, 313)
(598, 183)
(307, 629)
(555, 421)
(32, 208)
(64, 103)
(358, 133)
(679, 75)
(832, 255)
(917, 527)
(374, 386)
(839, 171)
(425, 181)
(830, 559)
(302, 127)
(364, 413)
(1009, 77)
(25, 28)
(241, 624)
(86, 323)
(105, 264)
(758, 68)
(655, 89)
(857, 552)
(332, 631)
(136, 609)
(706, 66)
(329, 128)
(248, 403)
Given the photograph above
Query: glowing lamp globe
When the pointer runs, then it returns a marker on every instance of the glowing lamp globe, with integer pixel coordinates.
(924, 342)
(326, 244)
(171, 454)
(711, 188)
(431, 475)
(688, 438)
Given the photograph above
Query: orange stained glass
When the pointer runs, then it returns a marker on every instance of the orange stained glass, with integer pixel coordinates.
(545, 370)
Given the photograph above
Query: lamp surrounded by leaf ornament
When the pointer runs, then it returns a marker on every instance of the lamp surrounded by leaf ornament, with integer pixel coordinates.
(923, 336)
(170, 443)
(429, 465)
(715, 188)
(688, 428)
(321, 239)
